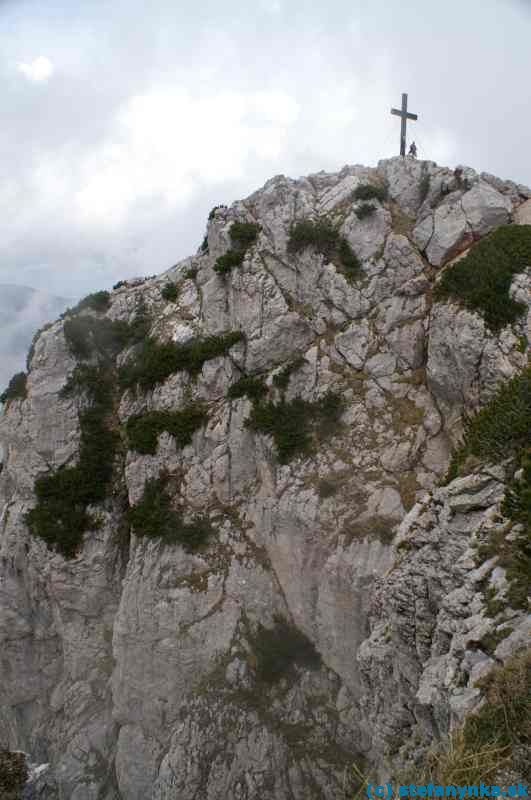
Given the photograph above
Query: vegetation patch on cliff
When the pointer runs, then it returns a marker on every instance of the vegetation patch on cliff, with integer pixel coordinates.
(495, 737)
(504, 718)
(61, 517)
(153, 516)
(248, 386)
(325, 239)
(482, 279)
(502, 430)
(365, 210)
(279, 649)
(98, 301)
(292, 424)
(169, 292)
(281, 379)
(143, 430)
(16, 388)
(156, 360)
(369, 191)
(87, 336)
(243, 235)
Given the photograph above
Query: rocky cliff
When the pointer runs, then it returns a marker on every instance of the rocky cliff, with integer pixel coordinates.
(230, 566)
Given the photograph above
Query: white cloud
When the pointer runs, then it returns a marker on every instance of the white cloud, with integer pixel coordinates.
(40, 69)
(168, 143)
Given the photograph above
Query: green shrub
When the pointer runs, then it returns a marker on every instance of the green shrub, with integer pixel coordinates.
(16, 388)
(90, 379)
(191, 273)
(501, 428)
(169, 292)
(281, 379)
(143, 430)
(279, 649)
(292, 424)
(369, 191)
(231, 259)
(481, 281)
(60, 517)
(155, 518)
(99, 301)
(156, 361)
(87, 336)
(349, 262)
(365, 210)
(213, 212)
(204, 244)
(321, 235)
(325, 239)
(248, 386)
(244, 234)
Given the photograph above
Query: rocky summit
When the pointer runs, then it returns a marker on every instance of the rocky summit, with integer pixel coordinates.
(263, 517)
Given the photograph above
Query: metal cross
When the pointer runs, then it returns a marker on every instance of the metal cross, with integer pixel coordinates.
(404, 113)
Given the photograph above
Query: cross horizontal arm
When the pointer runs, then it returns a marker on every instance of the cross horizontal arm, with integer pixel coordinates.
(399, 113)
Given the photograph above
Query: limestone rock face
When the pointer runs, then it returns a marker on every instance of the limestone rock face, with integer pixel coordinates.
(133, 669)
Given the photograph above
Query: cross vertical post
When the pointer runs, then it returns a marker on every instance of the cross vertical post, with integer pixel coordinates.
(404, 115)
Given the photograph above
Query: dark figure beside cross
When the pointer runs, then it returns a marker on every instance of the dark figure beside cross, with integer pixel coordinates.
(404, 114)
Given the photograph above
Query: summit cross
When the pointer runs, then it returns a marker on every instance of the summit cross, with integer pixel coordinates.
(405, 115)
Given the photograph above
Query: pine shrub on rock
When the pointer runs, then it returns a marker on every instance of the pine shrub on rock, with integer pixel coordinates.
(325, 239)
(156, 361)
(98, 301)
(154, 517)
(482, 279)
(248, 386)
(16, 388)
(295, 425)
(169, 292)
(243, 235)
(143, 430)
(369, 191)
(61, 515)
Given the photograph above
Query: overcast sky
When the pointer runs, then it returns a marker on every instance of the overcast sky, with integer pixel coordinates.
(123, 122)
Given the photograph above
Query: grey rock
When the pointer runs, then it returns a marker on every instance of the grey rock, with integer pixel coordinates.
(132, 669)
